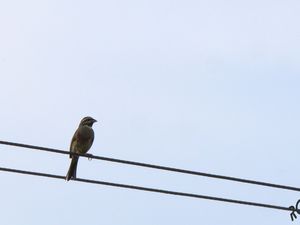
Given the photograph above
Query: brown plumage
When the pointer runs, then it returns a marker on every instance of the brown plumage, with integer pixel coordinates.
(81, 142)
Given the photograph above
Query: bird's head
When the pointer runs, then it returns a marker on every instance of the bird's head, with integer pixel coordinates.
(87, 121)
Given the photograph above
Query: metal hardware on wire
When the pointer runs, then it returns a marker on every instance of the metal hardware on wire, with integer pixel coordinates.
(295, 210)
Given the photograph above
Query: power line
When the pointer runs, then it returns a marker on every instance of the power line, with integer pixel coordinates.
(126, 186)
(172, 169)
(292, 209)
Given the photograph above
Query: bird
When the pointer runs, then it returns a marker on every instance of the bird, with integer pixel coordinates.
(81, 142)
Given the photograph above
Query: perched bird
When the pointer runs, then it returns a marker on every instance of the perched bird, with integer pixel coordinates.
(81, 142)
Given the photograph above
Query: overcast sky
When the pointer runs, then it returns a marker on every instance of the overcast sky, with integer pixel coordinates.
(211, 86)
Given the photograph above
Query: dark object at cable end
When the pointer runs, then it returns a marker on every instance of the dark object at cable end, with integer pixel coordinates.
(294, 210)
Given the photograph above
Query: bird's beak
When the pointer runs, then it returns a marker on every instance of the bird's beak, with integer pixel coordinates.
(95, 121)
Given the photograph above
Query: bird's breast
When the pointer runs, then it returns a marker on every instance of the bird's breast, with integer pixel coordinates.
(85, 133)
(84, 140)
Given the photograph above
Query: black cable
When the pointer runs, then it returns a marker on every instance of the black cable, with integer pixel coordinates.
(155, 166)
(151, 189)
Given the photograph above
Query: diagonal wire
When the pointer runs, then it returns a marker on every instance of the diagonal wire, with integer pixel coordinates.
(177, 170)
(126, 186)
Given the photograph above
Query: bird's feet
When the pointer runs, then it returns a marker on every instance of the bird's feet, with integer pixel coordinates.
(89, 156)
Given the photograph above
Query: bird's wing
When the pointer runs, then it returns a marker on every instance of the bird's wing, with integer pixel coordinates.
(73, 142)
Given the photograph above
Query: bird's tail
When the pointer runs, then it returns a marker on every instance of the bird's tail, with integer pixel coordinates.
(73, 168)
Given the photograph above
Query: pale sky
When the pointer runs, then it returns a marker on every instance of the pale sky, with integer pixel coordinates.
(211, 86)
